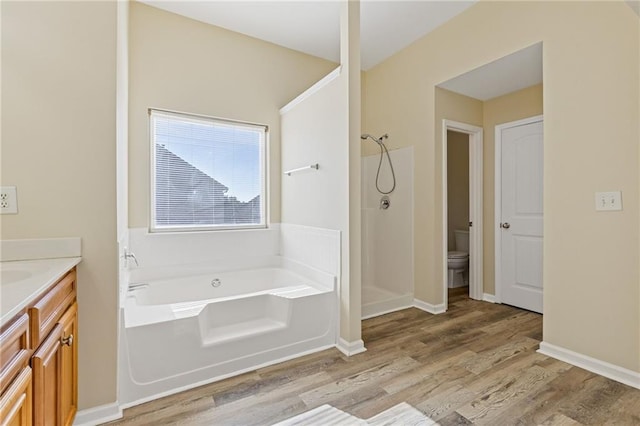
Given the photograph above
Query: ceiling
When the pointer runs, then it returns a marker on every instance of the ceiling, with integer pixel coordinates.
(313, 27)
(505, 75)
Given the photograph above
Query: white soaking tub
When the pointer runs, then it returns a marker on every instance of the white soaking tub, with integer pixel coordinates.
(186, 331)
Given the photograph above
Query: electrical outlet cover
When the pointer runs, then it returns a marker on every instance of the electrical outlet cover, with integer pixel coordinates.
(8, 200)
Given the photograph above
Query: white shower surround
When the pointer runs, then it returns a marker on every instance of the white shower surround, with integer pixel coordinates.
(387, 235)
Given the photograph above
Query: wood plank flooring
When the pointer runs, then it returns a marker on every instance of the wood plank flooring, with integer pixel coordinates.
(475, 364)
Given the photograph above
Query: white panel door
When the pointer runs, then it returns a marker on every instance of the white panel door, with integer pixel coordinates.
(521, 217)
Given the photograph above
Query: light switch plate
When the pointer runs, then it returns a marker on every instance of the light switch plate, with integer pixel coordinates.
(609, 201)
(8, 200)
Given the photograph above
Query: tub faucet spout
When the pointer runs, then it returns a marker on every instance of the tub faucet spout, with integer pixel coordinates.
(129, 255)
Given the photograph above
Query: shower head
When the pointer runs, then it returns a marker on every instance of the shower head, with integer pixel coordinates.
(379, 140)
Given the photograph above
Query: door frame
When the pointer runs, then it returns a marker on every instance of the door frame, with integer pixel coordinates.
(497, 215)
(476, 289)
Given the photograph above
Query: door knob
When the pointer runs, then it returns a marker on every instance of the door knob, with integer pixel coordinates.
(505, 225)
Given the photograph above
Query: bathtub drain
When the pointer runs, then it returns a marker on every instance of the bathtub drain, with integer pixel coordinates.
(216, 282)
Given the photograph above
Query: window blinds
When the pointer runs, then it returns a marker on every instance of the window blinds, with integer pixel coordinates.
(206, 172)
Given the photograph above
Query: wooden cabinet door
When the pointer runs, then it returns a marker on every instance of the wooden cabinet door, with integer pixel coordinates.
(16, 405)
(46, 363)
(69, 365)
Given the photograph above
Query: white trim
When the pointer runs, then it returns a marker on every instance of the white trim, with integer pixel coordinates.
(475, 133)
(611, 371)
(311, 90)
(489, 298)
(98, 415)
(497, 195)
(350, 348)
(122, 165)
(428, 307)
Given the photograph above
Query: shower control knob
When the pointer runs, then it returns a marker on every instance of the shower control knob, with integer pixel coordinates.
(385, 202)
(506, 225)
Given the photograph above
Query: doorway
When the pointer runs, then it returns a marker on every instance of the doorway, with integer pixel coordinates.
(475, 135)
(519, 213)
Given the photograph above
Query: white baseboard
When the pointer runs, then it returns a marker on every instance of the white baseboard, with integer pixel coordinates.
(98, 415)
(428, 307)
(611, 371)
(350, 348)
(489, 298)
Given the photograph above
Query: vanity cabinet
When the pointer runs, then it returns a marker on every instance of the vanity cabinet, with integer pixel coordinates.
(39, 377)
(16, 402)
(69, 365)
(46, 363)
(15, 374)
(54, 331)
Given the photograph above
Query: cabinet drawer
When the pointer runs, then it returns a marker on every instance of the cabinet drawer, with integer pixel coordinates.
(48, 310)
(15, 352)
(16, 403)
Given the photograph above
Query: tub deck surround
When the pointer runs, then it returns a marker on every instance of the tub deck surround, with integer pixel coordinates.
(212, 323)
(155, 301)
(143, 273)
(175, 249)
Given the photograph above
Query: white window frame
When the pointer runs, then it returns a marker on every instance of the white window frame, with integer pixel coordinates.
(264, 203)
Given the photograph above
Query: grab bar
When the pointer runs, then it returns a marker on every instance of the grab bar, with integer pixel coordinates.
(137, 286)
(299, 169)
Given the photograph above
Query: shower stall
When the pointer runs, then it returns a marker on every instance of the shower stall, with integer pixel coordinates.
(387, 229)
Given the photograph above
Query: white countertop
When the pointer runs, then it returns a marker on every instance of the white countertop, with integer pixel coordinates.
(22, 281)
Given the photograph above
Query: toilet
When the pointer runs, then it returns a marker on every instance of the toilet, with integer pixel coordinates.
(458, 260)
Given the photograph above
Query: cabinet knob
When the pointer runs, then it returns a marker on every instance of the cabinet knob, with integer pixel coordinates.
(67, 340)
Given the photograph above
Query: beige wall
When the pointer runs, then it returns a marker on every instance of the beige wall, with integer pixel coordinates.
(511, 107)
(58, 148)
(591, 259)
(457, 185)
(180, 64)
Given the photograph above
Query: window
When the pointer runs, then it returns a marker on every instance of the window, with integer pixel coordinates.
(206, 173)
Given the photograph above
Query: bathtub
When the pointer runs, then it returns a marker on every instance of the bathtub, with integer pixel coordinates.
(188, 330)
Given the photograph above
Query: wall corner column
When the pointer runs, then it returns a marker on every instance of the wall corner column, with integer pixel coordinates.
(350, 306)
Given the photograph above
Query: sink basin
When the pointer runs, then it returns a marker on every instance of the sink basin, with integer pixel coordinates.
(22, 281)
(13, 275)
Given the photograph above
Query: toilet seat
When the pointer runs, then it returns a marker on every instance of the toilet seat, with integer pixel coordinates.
(457, 255)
